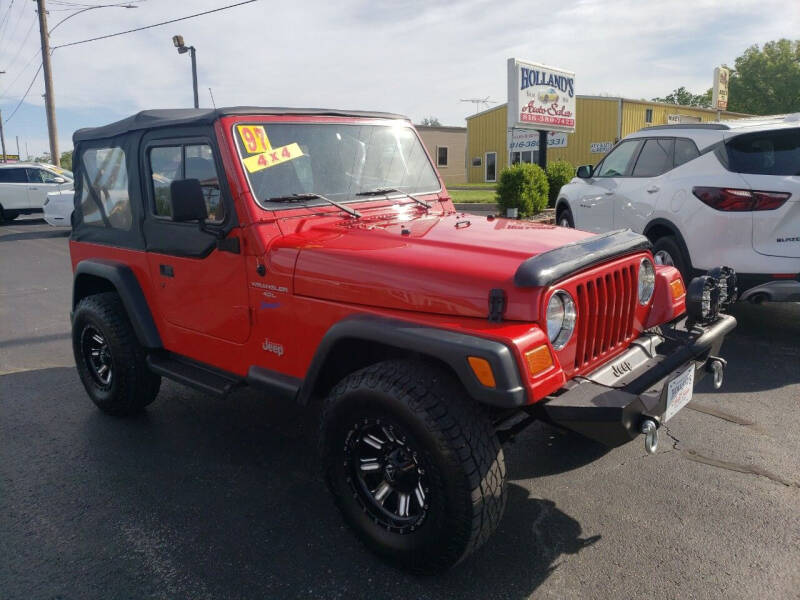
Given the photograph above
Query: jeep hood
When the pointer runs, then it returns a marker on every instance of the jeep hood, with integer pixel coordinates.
(413, 261)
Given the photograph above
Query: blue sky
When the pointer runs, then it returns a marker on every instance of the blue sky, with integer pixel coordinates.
(409, 56)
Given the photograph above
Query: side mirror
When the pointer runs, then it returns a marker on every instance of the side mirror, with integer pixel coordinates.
(188, 203)
(584, 171)
(58, 180)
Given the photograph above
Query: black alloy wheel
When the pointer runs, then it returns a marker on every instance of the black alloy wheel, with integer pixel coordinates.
(387, 475)
(97, 356)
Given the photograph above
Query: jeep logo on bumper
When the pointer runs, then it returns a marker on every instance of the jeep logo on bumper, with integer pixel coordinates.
(621, 368)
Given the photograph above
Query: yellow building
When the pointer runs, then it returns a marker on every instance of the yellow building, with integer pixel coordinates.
(601, 122)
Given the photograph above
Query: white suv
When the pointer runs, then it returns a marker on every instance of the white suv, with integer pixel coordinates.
(705, 194)
(24, 187)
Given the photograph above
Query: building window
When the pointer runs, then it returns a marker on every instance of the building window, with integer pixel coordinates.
(476, 162)
(441, 156)
(491, 166)
(648, 115)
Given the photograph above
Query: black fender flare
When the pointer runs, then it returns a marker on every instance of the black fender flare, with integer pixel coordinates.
(450, 347)
(122, 278)
(674, 231)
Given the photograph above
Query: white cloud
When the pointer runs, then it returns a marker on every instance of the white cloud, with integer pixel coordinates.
(413, 57)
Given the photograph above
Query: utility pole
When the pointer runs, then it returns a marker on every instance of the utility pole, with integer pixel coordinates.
(49, 100)
(19, 156)
(3, 138)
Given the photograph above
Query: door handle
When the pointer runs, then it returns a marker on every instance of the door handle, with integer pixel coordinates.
(609, 193)
(34, 189)
(166, 270)
(653, 189)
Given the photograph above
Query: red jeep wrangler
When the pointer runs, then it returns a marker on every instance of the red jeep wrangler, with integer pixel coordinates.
(316, 255)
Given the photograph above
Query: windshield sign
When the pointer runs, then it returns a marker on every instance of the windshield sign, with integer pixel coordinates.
(335, 160)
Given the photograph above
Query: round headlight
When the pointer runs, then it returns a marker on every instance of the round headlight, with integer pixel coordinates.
(560, 318)
(647, 281)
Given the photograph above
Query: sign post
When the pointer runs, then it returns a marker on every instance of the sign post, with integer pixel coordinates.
(719, 94)
(540, 98)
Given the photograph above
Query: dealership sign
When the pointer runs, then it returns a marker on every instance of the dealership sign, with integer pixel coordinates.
(524, 139)
(540, 97)
(719, 95)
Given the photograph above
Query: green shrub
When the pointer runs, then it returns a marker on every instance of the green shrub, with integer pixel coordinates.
(522, 186)
(559, 173)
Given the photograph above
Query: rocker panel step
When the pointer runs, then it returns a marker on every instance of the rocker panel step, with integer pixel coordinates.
(192, 374)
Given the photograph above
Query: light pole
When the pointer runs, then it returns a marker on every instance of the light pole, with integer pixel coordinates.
(177, 40)
(3, 135)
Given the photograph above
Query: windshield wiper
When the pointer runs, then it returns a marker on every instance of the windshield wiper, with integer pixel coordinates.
(313, 196)
(387, 191)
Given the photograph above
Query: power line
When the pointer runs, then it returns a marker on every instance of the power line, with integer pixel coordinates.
(25, 95)
(13, 61)
(6, 19)
(200, 14)
(21, 71)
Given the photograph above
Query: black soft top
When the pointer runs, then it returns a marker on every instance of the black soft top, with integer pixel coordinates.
(167, 117)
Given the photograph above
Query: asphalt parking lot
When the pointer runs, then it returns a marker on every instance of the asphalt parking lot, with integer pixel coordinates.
(201, 498)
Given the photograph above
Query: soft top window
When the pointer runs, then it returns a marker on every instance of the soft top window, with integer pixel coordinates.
(336, 160)
(104, 199)
(765, 152)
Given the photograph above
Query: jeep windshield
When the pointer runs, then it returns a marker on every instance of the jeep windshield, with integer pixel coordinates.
(335, 160)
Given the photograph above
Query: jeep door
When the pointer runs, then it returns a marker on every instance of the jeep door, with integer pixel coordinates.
(13, 188)
(596, 202)
(198, 272)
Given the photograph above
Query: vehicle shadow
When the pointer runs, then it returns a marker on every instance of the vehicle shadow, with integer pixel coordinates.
(200, 497)
(23, 221)
(34, 235)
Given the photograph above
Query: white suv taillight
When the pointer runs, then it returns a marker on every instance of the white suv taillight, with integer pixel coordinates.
(737, 200)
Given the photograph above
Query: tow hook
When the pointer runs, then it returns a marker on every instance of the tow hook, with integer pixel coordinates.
(650, 431)
(716, 366)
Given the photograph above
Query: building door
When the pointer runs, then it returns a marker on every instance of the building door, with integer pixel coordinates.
(491, 166)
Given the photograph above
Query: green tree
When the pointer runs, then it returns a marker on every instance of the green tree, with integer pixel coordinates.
(522, 186)
(66, 160)
(559, 173)
(684, 97)
(766, 80)
(430, 122)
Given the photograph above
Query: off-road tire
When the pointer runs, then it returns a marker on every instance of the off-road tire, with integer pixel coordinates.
(131, 386)
(565, 214)
(465, 475)
(669, 245)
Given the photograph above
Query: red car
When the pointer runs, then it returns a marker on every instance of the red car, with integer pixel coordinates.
(316, 255)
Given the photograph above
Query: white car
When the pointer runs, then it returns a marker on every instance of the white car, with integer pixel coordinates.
(705, 194)
(58, 208)
(24, 187)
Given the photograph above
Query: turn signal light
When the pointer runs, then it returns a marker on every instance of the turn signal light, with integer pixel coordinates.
(539, 360)
(482, 370)
(736, 200)
(677, 289)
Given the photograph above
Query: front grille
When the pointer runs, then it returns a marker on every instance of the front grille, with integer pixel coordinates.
(606, 307)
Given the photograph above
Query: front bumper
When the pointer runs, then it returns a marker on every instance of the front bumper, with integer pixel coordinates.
(611, 404)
